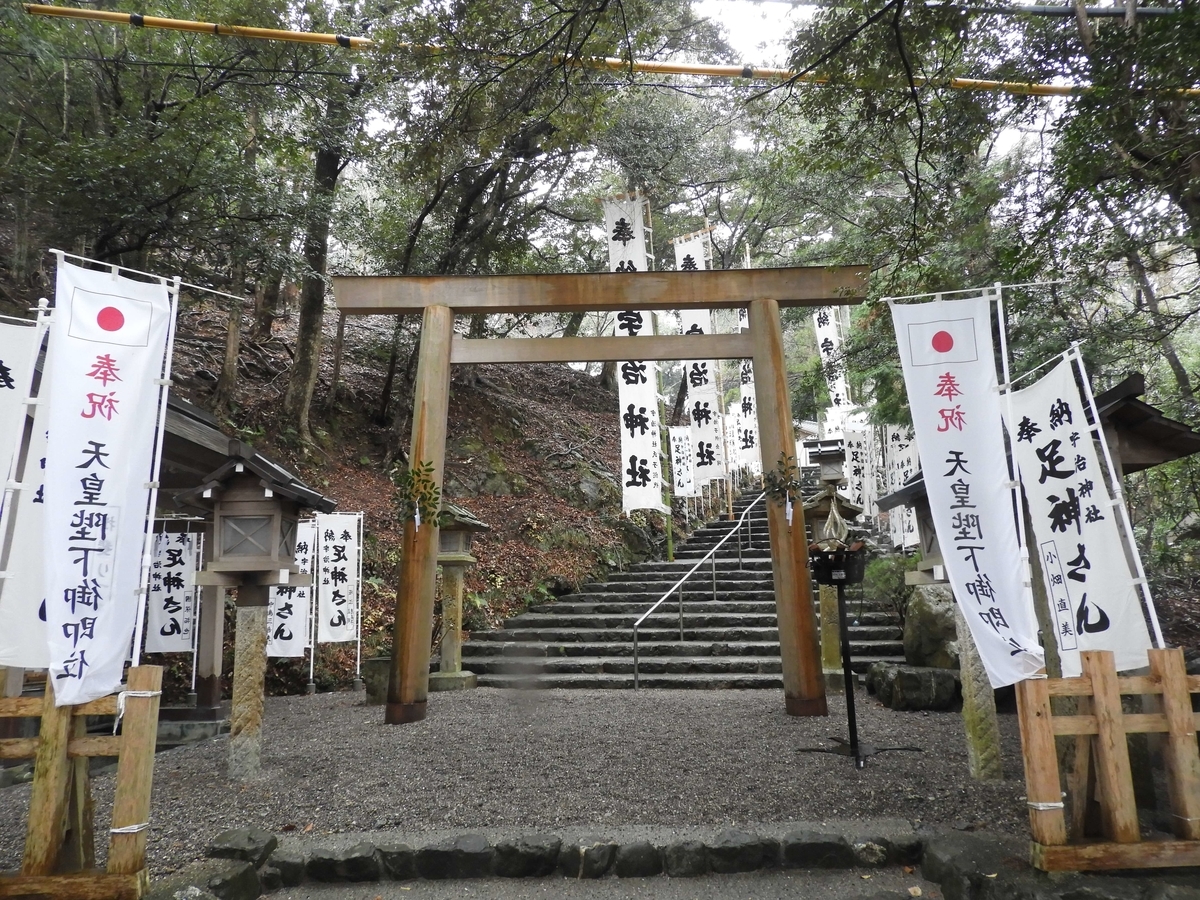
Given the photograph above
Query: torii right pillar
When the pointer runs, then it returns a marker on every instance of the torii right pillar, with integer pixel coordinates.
(803, 686)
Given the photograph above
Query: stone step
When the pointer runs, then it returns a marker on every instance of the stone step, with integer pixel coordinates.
(893, 649)
(623, 665)
(759, 563)
(659, 619)
(615, 682)
(473, 650)
(700, 592)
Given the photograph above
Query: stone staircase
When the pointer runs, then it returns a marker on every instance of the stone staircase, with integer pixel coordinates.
(585, 640)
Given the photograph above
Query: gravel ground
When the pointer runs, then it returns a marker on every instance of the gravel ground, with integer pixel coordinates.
(813, 884)
(491, 758)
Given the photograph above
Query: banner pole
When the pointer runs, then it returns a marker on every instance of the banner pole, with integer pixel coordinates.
(1006, 390)
(1119, 501)
(197, 556)
(358, 636)
(164, 386)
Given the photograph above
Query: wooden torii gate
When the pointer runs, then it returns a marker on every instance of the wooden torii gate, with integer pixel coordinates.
(439, 298)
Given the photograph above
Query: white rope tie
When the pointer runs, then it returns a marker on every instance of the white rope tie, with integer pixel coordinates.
(129, 829)
(1044, 806)
(121, 706)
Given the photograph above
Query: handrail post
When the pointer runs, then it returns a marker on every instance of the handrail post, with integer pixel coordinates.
(739, 531)
(635, 657)
(681, 612)
(714, 576)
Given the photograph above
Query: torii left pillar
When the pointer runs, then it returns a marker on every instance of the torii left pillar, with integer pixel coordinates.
(408, 684)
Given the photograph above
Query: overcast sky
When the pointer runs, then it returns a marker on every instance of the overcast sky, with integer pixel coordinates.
(757, 29)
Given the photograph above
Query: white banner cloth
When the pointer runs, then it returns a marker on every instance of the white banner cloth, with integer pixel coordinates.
(689, 256)
(626, 235)
(683, 479)
(900, 459)
(18, 346)
(339, 553)
(749, 451)
(171, 602)
(289, 609)
(950, 373)
(703, 404)
(1093, 599)
(106, 355)
(829, 343)
(23, 641)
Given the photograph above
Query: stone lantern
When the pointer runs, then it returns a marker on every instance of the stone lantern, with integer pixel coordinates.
(255, 506)
(457, 526)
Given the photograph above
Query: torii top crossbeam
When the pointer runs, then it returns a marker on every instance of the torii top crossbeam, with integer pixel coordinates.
(792, 286)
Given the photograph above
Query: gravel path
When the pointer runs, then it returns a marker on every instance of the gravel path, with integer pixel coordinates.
(541, 759)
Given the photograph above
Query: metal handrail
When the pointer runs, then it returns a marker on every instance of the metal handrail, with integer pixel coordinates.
(679, 584)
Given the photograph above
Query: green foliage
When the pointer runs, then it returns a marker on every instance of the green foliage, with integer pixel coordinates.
(783, 482)
(884, 580)
(416, 491)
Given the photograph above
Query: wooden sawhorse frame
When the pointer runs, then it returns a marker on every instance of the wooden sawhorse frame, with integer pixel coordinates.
(59, 859)
(1098, 692)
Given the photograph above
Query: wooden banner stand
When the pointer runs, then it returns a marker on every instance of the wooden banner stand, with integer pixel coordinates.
(1102, 765)
(60, 858)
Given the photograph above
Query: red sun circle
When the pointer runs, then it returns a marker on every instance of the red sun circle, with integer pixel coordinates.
(112, 319)
(943, 342)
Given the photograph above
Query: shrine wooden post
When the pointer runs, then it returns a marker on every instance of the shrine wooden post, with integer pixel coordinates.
(408, 684)
(799, 650)
(438, 298)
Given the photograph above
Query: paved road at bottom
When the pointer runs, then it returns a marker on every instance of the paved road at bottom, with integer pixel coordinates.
(891, 884)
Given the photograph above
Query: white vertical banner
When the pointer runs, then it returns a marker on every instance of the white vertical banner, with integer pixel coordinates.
(106, 357)
(171, 600)
(749, 451)
(1093, 598)
(855, 436)
(637, 388)
(18, 348)
(703, 404)
(339, 569)
(626, 231)
(289, 608)
(733, 426)
(23, 641)
(689, 255)
(900, 457)
(829, 343)
(683, 480)
(950, 374)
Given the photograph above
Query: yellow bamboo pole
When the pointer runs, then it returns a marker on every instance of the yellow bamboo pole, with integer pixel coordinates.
(609, 63)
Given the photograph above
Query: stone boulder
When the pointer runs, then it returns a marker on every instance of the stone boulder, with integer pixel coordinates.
(914, 687)
(930, 638)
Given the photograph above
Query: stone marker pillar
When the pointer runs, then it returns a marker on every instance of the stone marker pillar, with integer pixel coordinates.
(249, 683)
(831, 640)
(450, 676)
(979, 708)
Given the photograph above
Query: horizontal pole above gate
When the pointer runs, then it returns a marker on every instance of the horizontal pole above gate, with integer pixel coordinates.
(602, 349)
(372, 295)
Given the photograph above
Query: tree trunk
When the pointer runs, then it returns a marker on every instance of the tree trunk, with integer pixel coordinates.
(385, 398)
(608, 376)
(303, 379)
(226, 387)
(573, 323)
(266, 304)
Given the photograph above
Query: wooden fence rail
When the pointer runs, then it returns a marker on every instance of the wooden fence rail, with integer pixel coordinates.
(1101, 728)
(59, 860)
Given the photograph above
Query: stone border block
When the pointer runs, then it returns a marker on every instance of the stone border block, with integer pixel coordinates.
(810, 848)
(639, 859)
(589, 857)
(735, 851)
(252, 845)
(685, 859)
(398, 861)
(528, 856)
(466, 856)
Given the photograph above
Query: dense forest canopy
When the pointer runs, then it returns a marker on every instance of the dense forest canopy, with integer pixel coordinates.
(261, 168)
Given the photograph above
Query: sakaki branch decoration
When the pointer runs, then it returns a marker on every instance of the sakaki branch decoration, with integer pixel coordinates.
(418, 497)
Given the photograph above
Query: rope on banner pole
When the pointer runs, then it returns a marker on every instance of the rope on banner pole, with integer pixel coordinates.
(935, 294)
(1015, 486)
(1119, 489)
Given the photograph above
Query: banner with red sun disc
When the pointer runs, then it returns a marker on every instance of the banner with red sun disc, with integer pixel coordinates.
(106, 355)
(950, 374)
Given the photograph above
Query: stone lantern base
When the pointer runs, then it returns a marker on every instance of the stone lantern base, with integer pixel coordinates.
(451, 681)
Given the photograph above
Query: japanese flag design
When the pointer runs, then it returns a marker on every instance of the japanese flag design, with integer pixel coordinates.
(942, 341)
(110, 319)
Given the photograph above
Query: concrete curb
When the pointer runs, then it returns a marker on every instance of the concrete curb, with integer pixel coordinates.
(968, 866)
